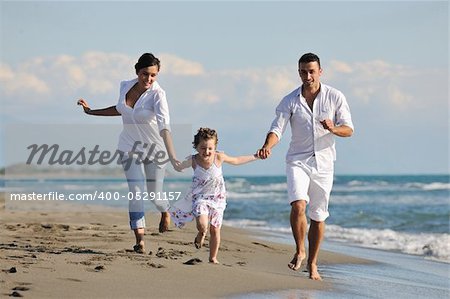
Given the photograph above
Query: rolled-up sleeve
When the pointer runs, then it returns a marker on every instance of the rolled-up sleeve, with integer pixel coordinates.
(162, 111)
(282, 117)
(343, 115)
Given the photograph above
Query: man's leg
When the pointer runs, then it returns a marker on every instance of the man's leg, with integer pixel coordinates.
(298, 226)
(319, 195)
(315, 236)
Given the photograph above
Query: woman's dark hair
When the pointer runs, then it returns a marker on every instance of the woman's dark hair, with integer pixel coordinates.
(204, 134)
(146, 60)
(309, 57)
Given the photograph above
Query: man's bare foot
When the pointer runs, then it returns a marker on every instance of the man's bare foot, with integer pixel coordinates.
(296, 262)
(214, 261)
(313, 272)
(165, 222)
(199, 240)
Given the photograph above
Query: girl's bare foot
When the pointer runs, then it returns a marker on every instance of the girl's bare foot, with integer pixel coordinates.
(296, 262)
(165, 222)
(199, 240)
(313, 272)
(214, 261)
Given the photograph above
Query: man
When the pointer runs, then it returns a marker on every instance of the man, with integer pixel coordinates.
(316, 113)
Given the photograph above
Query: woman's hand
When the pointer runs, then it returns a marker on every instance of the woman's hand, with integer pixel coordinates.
(176, 164)
(85, 105)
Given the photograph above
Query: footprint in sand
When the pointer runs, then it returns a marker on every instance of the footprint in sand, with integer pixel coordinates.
(179, 243)
(193, 261)
(263, 245)
(23, 289)
(15, 294)
(157, 266)
(99, 268)
(15, 290)
(170, 253)
(10, 270)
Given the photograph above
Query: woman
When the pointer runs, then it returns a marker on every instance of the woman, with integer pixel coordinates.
(145, 135)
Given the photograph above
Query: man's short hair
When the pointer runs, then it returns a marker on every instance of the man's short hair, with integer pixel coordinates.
(309, 57)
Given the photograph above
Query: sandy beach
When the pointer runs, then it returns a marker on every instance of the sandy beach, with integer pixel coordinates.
(86, 252)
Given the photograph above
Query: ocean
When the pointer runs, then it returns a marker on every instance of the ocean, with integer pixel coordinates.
(399, 213)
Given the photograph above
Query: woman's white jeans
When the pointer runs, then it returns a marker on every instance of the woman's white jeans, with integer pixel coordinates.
(142, 178)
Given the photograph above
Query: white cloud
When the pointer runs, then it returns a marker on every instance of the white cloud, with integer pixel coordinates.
(6, 73)
(21, 82)
(341, 67)
(97, 75)
(174, 65)
(399, 97)
(383, 83)
(206, 96)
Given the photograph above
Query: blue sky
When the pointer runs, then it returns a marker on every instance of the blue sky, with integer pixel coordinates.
(227, 64)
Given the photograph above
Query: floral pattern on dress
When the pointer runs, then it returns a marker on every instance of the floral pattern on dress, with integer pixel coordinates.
(207, 195)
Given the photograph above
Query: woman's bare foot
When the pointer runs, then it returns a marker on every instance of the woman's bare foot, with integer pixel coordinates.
(313, 272)
(165, 222)
(214, 261)
(199, 240)
(296, 262)
(139, 248)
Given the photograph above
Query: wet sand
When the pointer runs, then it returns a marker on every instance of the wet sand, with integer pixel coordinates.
(87, 252)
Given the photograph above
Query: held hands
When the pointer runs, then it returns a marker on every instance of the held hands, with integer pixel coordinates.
(263, 153)
(176, 164)
(85, 105)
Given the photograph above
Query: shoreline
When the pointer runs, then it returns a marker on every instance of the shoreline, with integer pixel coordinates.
(87, 253)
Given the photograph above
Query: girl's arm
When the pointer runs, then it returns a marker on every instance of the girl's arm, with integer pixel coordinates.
(236, 160)
(109, 111)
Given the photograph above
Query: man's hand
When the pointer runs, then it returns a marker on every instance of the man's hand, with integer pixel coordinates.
(263, 153)
(328, 124)
(341, 131)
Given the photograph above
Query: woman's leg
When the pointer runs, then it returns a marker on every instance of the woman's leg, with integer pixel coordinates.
(136, 185)
(155, 181)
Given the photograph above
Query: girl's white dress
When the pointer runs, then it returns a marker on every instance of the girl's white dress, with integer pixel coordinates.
(207, 195)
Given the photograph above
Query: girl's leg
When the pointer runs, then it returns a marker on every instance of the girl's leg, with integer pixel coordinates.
(136, 184)
(214, 243)
(155, 181)
(216, 217)
(202, 227)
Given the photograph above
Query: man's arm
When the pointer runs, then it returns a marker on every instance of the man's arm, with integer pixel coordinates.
(341, 131)
(265, 151)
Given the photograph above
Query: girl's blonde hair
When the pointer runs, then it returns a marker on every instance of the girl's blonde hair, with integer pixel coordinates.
(204, 134)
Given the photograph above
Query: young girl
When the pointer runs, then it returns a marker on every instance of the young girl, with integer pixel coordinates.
(206, 198)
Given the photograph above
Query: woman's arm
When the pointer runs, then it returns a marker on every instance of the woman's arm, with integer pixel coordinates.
(167, 137)
(109, 111)
(239, 160)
